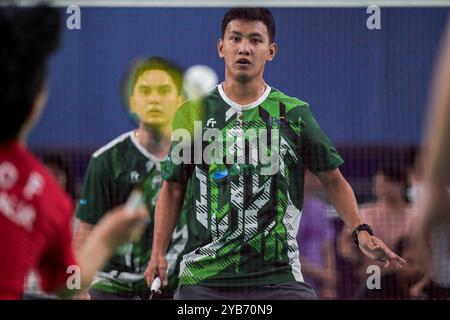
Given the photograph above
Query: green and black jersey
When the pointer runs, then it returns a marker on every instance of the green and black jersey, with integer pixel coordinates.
(245, 167)
(113, 171)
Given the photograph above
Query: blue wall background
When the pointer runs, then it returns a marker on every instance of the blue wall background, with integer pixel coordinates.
(365, 87)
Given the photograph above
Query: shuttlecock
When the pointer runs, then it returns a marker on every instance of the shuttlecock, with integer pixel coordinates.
(198, 80)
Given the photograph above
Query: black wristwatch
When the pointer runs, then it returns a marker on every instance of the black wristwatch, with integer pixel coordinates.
(358, 229)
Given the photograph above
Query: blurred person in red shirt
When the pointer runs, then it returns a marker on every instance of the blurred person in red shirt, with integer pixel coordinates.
(35, 213)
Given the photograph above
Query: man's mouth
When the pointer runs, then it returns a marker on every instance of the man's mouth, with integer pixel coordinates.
(243, 62)
(154, 112)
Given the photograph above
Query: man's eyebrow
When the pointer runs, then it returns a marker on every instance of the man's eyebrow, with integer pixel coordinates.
(253, 34)
(236, 33)
(256, 34)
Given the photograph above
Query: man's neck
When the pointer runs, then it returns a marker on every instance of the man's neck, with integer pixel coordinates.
(393, 202)
(22, 139)
(244, 93)
(155, 141)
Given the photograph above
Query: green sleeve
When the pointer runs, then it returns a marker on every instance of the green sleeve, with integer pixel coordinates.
(97, 192)
(318, 153)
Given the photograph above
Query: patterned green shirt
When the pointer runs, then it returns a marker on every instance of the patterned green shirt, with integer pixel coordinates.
(113, 171)
(244, 209)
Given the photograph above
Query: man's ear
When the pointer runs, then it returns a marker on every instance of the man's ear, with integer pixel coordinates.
(41, 99)
(35, 112)
(272, 51)
(220, 48)
(180, 100)
(132, 104)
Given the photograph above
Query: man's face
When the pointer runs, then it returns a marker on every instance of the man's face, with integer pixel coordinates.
(155, 98)
(386, 188)
(245, 48)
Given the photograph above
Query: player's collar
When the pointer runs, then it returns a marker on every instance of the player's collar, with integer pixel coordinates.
(142, 150)
(240, 107)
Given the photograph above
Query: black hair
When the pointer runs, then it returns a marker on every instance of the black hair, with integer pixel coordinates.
(155, 63)
(393, 173)
(250, 14)
(29, 35)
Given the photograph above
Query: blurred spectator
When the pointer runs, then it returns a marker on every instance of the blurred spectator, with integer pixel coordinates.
(54, 164)
(315, 238)
(415, 185)
(390, 216)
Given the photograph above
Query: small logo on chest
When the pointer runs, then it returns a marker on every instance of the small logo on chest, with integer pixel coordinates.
(134, 177)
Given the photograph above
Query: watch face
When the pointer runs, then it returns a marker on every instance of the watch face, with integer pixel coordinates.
(367, 228)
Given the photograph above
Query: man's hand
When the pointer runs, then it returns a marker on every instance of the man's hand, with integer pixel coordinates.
(375, 249)
(120, 226)
(157, 267)
(116, 227)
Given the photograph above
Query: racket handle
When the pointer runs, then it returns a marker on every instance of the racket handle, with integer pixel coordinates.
(156, 284)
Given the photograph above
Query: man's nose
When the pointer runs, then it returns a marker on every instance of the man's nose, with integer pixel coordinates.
(154, 97)
(244, 47)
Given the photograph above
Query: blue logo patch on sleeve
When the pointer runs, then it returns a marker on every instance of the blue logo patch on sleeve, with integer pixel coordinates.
(220, 174)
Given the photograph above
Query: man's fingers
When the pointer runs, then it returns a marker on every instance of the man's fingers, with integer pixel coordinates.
(149, 277)
(403, 261)
(397, 260)
(400, 261)
(376, 249)
(163, 276)
(374, 244)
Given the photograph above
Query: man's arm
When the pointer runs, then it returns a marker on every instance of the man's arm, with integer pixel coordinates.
(83, 230)
(436, 158)
(435, 202)
(343, 199)
(167, 212)
(436, 155)
(115, 228)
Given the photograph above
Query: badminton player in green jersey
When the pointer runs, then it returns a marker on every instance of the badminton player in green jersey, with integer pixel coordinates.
(247, 196)
(134, 159)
